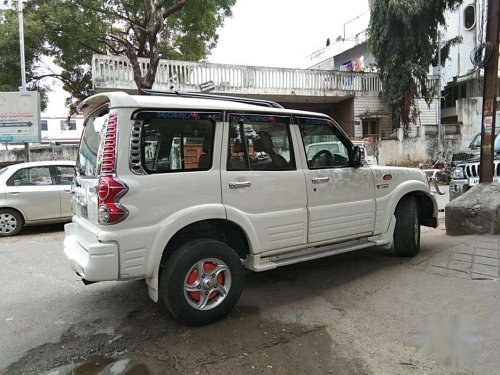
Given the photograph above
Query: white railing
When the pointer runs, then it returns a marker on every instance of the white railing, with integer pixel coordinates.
(115, 72)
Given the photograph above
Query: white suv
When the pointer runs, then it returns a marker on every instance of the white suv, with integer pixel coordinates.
(186, 190)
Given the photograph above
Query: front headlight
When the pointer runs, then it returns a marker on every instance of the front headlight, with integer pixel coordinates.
(458, 173)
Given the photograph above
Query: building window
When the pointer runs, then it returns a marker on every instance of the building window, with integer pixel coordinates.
(470, 17)
(43, 125)
(370, 127)
(68, 125)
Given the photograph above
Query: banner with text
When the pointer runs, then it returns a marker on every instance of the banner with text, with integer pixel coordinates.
(19, 117)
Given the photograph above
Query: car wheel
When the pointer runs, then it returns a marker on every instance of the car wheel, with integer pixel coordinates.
(202, 281)
(407, 230)
(11, 222)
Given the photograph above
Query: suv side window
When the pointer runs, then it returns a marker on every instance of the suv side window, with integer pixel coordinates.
(177, 141)
(260, 143)
(324, 147)
(35, 176)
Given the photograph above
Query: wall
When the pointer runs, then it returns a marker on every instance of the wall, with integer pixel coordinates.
(371, 104)
(422, 149)
(459, 63)
(55, 134)
(40, 154)
(470, 114)
(358, 52)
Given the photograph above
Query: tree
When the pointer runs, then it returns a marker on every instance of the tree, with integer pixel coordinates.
(403, 37)
(10, 73)
(152, 29)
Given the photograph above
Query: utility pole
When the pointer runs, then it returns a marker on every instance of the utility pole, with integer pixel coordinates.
(21, 44)
(490, 94)
(23, 63)
(440, 126)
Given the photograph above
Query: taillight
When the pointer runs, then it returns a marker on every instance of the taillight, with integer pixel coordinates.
(110, 192)
(108, 161)
(110, 189)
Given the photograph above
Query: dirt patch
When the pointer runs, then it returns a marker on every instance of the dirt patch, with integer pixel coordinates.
(151, 342)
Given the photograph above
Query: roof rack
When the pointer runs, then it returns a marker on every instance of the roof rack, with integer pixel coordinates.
(198, 95)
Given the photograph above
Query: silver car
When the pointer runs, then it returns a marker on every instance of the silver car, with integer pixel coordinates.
(35, 193)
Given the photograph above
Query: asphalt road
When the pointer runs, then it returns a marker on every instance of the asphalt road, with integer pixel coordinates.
(367, 312)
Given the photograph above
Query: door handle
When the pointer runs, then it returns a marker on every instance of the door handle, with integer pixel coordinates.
(14, 193)
(239, 185)
(320, 180)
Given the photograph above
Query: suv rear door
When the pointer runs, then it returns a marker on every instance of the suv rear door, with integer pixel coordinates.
(88, 168)
(261, 185)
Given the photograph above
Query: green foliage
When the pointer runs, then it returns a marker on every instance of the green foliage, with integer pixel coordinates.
(10, 73)
(70, 31)
(404, 41)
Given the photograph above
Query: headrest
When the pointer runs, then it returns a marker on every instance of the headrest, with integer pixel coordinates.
(207, 144)
(264, 143)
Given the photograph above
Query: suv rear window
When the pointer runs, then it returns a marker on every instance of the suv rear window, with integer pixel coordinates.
(87, 163)
(177, 141)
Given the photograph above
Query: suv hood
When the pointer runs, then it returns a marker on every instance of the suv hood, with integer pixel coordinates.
(399, 174)
(477, 159)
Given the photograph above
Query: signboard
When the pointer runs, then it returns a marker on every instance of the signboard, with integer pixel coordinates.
(19, 117)
(358, 128)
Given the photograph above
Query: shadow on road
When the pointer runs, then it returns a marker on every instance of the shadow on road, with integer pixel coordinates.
(41, 229)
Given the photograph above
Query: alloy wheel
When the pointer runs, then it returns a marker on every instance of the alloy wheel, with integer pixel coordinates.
(207, 284)
(8, 223)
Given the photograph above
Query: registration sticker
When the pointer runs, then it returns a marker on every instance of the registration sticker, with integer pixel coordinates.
(475, 180)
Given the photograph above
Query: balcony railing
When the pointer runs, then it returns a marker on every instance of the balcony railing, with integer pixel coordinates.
(115, 72)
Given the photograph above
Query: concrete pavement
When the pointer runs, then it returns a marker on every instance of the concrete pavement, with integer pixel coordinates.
(366, 312)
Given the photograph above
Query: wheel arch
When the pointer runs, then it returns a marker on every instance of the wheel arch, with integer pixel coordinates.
(428, 211)
(23, 217)
(220, 229)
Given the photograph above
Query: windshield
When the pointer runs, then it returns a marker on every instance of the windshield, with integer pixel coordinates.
(368, 149)
(89, 145)
(3, 170)
(313, 149)
(476, 142)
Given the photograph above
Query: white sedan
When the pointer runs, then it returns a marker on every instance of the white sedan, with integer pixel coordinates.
(35, 193)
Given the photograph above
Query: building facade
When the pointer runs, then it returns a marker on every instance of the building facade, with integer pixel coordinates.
(61, 130)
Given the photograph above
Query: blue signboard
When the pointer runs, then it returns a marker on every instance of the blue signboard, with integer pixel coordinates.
(19, 117)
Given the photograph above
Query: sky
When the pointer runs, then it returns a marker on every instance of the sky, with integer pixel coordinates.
(275, 33)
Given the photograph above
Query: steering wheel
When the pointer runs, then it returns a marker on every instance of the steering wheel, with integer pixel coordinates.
(339, 160)
(330, 160)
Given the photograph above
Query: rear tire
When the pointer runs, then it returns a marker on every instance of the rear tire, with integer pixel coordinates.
(407, 230)
(11, 222)
(202, 282)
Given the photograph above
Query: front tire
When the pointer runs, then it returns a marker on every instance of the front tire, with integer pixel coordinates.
(202, 282)
(11, 222)
(407, 230)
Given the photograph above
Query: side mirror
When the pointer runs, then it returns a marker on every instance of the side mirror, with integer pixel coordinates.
(358, 156)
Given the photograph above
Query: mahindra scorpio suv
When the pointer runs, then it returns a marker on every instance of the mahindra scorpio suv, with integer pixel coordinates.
(188, 190)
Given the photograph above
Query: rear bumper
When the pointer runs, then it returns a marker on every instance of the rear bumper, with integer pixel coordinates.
(92, 260)
(458, 187)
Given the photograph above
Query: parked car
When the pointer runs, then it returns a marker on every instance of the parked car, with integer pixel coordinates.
(239, 186)
(34, 193)
(466, 175)
(370, 157)
(471, 152)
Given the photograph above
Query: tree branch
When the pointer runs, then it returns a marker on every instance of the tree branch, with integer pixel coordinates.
(173, 8)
